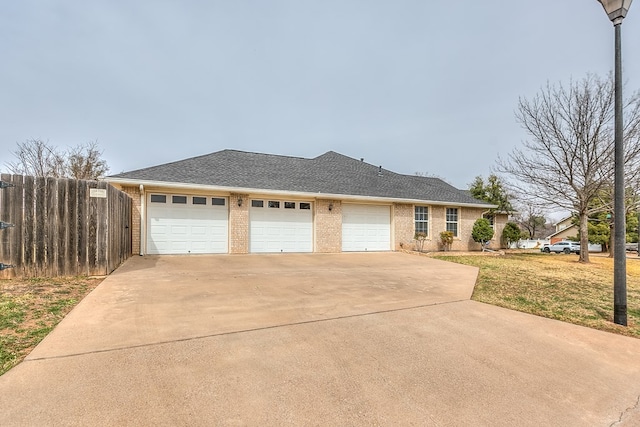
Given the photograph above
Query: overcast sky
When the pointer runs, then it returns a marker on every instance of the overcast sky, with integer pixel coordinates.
(412, 85)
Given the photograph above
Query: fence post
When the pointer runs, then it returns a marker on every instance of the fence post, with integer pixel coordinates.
(4, 225)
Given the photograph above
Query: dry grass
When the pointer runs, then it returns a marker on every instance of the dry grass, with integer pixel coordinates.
(30, 309)
(556, 286)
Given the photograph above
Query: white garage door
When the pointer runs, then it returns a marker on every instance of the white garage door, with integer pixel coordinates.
(280, 226)
(366, 228)
(179, 224)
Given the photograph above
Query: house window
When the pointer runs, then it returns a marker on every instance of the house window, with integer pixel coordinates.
(199, 200)
(289, 205)
(490, 217)
(158, 198)
(257, 203)
(218, 201)
(452, 221)
(305, 206)
(422, 219)
(181, 200)
(273, 204)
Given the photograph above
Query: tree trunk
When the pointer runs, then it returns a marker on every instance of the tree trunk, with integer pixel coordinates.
(584, 237)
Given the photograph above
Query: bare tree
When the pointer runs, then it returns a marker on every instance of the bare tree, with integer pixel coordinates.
(568, 160)
(85, 162)
(38, 158)
(531, 219)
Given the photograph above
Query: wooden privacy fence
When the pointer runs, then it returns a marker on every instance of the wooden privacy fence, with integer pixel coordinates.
(62, 227)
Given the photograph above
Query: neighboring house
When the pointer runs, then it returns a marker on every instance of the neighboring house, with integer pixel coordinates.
(239, 202)
(567, 230)
(564, 230)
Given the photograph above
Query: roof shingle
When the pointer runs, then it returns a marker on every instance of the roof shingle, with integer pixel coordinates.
(329, 173)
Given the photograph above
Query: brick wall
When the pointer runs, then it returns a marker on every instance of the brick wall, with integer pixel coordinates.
(328, 226)
(437, 224)
(499, 223)
(403, 226)
(468, 218)
(136, 220)
(239, 224)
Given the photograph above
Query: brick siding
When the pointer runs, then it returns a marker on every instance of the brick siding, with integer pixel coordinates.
(136, 220)
(239, 224)
(499, 222)
(328, 226)
(403, 226)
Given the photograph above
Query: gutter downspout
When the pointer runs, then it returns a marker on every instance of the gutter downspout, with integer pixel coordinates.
(142, 219)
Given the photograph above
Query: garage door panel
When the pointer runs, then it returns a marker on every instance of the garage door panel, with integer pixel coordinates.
(219, 233)
(158, 247)
(280, 230)
(275, 247)
(178, 245)
(178, 230)
(218, 248)
(159, 229)
(366, 228)
(273, 231)
(289, 232)
(198, 247)
(187, 228)
(199, 230)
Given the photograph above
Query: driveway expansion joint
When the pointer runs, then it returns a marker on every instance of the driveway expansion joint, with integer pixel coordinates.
(221, 334)
(463, 364)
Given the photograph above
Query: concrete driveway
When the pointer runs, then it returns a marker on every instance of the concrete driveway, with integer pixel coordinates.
(345, 339)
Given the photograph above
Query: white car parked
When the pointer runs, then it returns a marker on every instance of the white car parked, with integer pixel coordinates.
(565, 247)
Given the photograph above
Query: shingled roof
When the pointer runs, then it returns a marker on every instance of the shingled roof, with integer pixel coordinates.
(330, 174)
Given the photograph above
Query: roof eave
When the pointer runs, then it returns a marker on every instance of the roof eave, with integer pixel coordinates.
(564, 219)
(300, 194)
(562, 231)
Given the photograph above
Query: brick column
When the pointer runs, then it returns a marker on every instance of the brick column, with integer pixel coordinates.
(328, 226)
(136, 220)
(437, 225)
(403, 226)
(239, 224)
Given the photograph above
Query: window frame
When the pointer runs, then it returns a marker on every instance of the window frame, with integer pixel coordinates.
(159, 198)
(177, 199)
(448, 224)
(199, 200)
(491, 217)
(423, 220)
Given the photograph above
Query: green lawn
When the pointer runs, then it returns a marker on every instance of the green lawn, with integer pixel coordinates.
(556, 286)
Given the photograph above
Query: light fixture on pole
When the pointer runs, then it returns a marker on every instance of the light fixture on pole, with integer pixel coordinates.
(617, 10)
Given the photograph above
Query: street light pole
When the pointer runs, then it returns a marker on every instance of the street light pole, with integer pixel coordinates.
(617, 10)
(619, 226)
